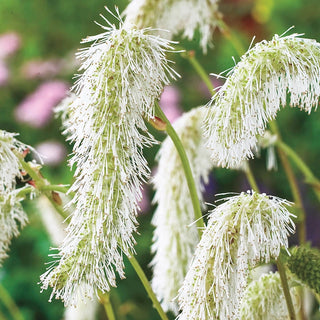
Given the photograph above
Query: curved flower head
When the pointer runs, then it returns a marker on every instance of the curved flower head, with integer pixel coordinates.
(124, 72)
(176, 16)
(241, 232)
(11, 217)
(176, 236)
(256, 89)
(264, 299)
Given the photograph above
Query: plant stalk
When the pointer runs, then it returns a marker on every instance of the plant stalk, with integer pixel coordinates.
(146, 284)
(187, 169)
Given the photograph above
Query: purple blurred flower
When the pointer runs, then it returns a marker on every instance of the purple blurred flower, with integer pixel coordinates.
(41, 69)
(170, 103)
(36, 109)
(51, 152)
(9, 43)
(4, 73)
(144, 203)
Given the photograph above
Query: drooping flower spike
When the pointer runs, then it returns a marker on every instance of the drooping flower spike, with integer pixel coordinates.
(243, 231)
(12, 215)
(124, 72)
(264, 299)
(176, 236)
(176, 16)
(256, 89)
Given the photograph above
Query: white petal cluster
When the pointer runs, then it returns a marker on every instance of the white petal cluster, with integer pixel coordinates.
(12, 215)
(176, 16)
(256, 89)
(124, 71)
(176, 236)
(264, 299)
(241, 232)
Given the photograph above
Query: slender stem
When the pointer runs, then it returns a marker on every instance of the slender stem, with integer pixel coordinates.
(293, 185)
(286, 290)
(190, 55)
(56, 187)
(231, 36)
(41, 185)
(105, 301)
(251, 179)
(187, 170)
(9, 303)
(309, 177)
(147, 286)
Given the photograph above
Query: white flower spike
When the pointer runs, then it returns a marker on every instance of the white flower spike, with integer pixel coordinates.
(241, 232)
(124, 72)
(256, 89)
(264, 299)
(176, 16)
(176, 236)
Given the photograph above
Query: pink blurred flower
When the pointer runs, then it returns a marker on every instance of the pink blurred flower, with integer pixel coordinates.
(51, 152)
(36, 109)
(170, 103)
(41, 69)
(4, 73)
(9, 43)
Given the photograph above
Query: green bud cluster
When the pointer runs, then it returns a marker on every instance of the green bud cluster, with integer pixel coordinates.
(305, 264)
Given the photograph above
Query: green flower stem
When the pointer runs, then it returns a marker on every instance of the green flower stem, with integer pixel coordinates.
(105, 301)
(286, 290)
(293, 185)
(56, 187)
(187, 169)
(147, 286)
(308, 175)
(301, 225)
(41, 184)
(233, 38)
(251, 179)
(10, 305)
(190, 55)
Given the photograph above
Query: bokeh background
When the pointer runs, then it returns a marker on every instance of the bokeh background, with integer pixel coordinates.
(38, 41)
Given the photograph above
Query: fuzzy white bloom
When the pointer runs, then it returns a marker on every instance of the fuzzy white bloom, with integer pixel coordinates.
(264, 299)
(9, 162)
(12, 217)
(241, 232)
(256, 89)
(176, 16)
(176, 236)
(87, 309)
(124, 71)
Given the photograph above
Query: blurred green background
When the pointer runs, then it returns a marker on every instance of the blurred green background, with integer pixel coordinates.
(47, 33)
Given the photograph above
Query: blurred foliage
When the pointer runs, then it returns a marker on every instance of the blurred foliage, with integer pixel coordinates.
(53, 29)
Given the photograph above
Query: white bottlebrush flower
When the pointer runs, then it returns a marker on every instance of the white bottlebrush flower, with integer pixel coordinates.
(9, 162)
(176, 16)
(246, 229)
(176, 236)
(87, 309)
(12, 217)
(256, 89)
(264, 299)
(124, 71)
